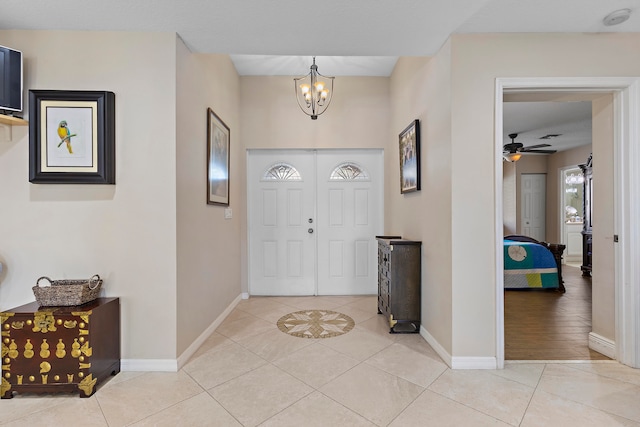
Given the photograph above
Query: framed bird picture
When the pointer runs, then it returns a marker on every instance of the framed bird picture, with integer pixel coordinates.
(71, 137)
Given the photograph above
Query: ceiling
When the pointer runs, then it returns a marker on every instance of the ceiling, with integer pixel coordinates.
(535, 121)
(366, 36)
(355, 37)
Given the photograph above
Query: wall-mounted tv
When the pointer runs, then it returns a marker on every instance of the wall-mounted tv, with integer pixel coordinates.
(10, 79)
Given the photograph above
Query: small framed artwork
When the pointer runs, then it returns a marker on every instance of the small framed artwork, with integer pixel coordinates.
(410, 158)
(218, 156)
(72, 137)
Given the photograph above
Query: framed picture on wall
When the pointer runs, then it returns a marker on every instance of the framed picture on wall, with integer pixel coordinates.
(72, 137)
(218, 157)
(410, 158)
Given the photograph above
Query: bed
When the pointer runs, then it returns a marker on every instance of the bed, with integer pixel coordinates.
(530, 264)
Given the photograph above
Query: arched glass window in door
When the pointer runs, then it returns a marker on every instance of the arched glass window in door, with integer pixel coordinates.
(348, 172)
(282, 172)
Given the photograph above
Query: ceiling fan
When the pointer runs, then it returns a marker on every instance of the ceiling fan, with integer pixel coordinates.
(513, 151)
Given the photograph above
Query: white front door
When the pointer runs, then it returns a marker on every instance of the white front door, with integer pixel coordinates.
(349, 217)
(313, 217)
(533, 205)
(281, 201)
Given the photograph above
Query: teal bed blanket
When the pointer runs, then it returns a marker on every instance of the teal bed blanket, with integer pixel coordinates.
(529, 265)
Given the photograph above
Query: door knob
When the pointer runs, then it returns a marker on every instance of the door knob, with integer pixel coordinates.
(310, 231)
(310, 220)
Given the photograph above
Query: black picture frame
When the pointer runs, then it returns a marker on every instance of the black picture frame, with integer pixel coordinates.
(218, 160)
(409, 146)
(88, 154)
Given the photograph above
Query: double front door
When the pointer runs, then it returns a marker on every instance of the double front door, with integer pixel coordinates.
(313, 216)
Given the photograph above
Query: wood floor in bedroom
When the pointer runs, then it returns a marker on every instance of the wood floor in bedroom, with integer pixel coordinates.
(547, 325)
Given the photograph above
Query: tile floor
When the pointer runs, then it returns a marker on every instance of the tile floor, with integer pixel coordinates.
(249, 373)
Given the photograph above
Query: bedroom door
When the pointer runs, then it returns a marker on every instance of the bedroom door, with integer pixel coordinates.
(533, 205)
(312, 220)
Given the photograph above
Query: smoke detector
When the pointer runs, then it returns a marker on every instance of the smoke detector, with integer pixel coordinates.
(617, 17)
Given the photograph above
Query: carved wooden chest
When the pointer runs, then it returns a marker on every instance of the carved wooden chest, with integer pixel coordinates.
(60, 349)
(399, 278)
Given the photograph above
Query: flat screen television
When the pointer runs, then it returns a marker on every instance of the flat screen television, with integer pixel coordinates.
(10, 79)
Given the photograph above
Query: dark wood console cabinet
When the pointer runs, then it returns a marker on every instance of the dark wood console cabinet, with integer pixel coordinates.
(60, 349)
(399, 279)
(587, 228)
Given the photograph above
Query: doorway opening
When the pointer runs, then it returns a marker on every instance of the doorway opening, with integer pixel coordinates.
(626, 107)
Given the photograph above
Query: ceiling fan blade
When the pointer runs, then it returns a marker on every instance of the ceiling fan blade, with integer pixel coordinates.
(539, 151)
(537, 146)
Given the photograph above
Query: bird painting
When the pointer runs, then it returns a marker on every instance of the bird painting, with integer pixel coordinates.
(65, 135)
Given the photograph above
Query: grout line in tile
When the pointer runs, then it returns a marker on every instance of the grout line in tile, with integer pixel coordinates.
(223, 407)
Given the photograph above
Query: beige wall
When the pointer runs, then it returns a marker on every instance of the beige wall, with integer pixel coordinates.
(477, 60)
(421, 89)
(124, 232)
(208, 246)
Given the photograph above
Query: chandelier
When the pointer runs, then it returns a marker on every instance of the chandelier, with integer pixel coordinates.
(314, 92)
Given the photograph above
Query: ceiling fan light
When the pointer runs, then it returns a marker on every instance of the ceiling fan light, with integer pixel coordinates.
(512, 157)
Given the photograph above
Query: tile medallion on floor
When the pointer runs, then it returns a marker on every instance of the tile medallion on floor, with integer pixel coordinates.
(408, 364)
(372, 393)
(548, 409)
(317, 410)
(217, 366)
(491, 394)
(316, 364)
(136, 399)
(432, 409)
(613, 396)
(260, 394)
(200, 410)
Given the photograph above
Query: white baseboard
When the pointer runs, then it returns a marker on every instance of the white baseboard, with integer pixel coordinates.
(458, 362)
(602, 345)
(186, 355)
(173, 365)
(148, 365)
(474, 363)
(245, 295)
(444, 355)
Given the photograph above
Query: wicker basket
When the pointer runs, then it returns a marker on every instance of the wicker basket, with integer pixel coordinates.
(67, 292)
